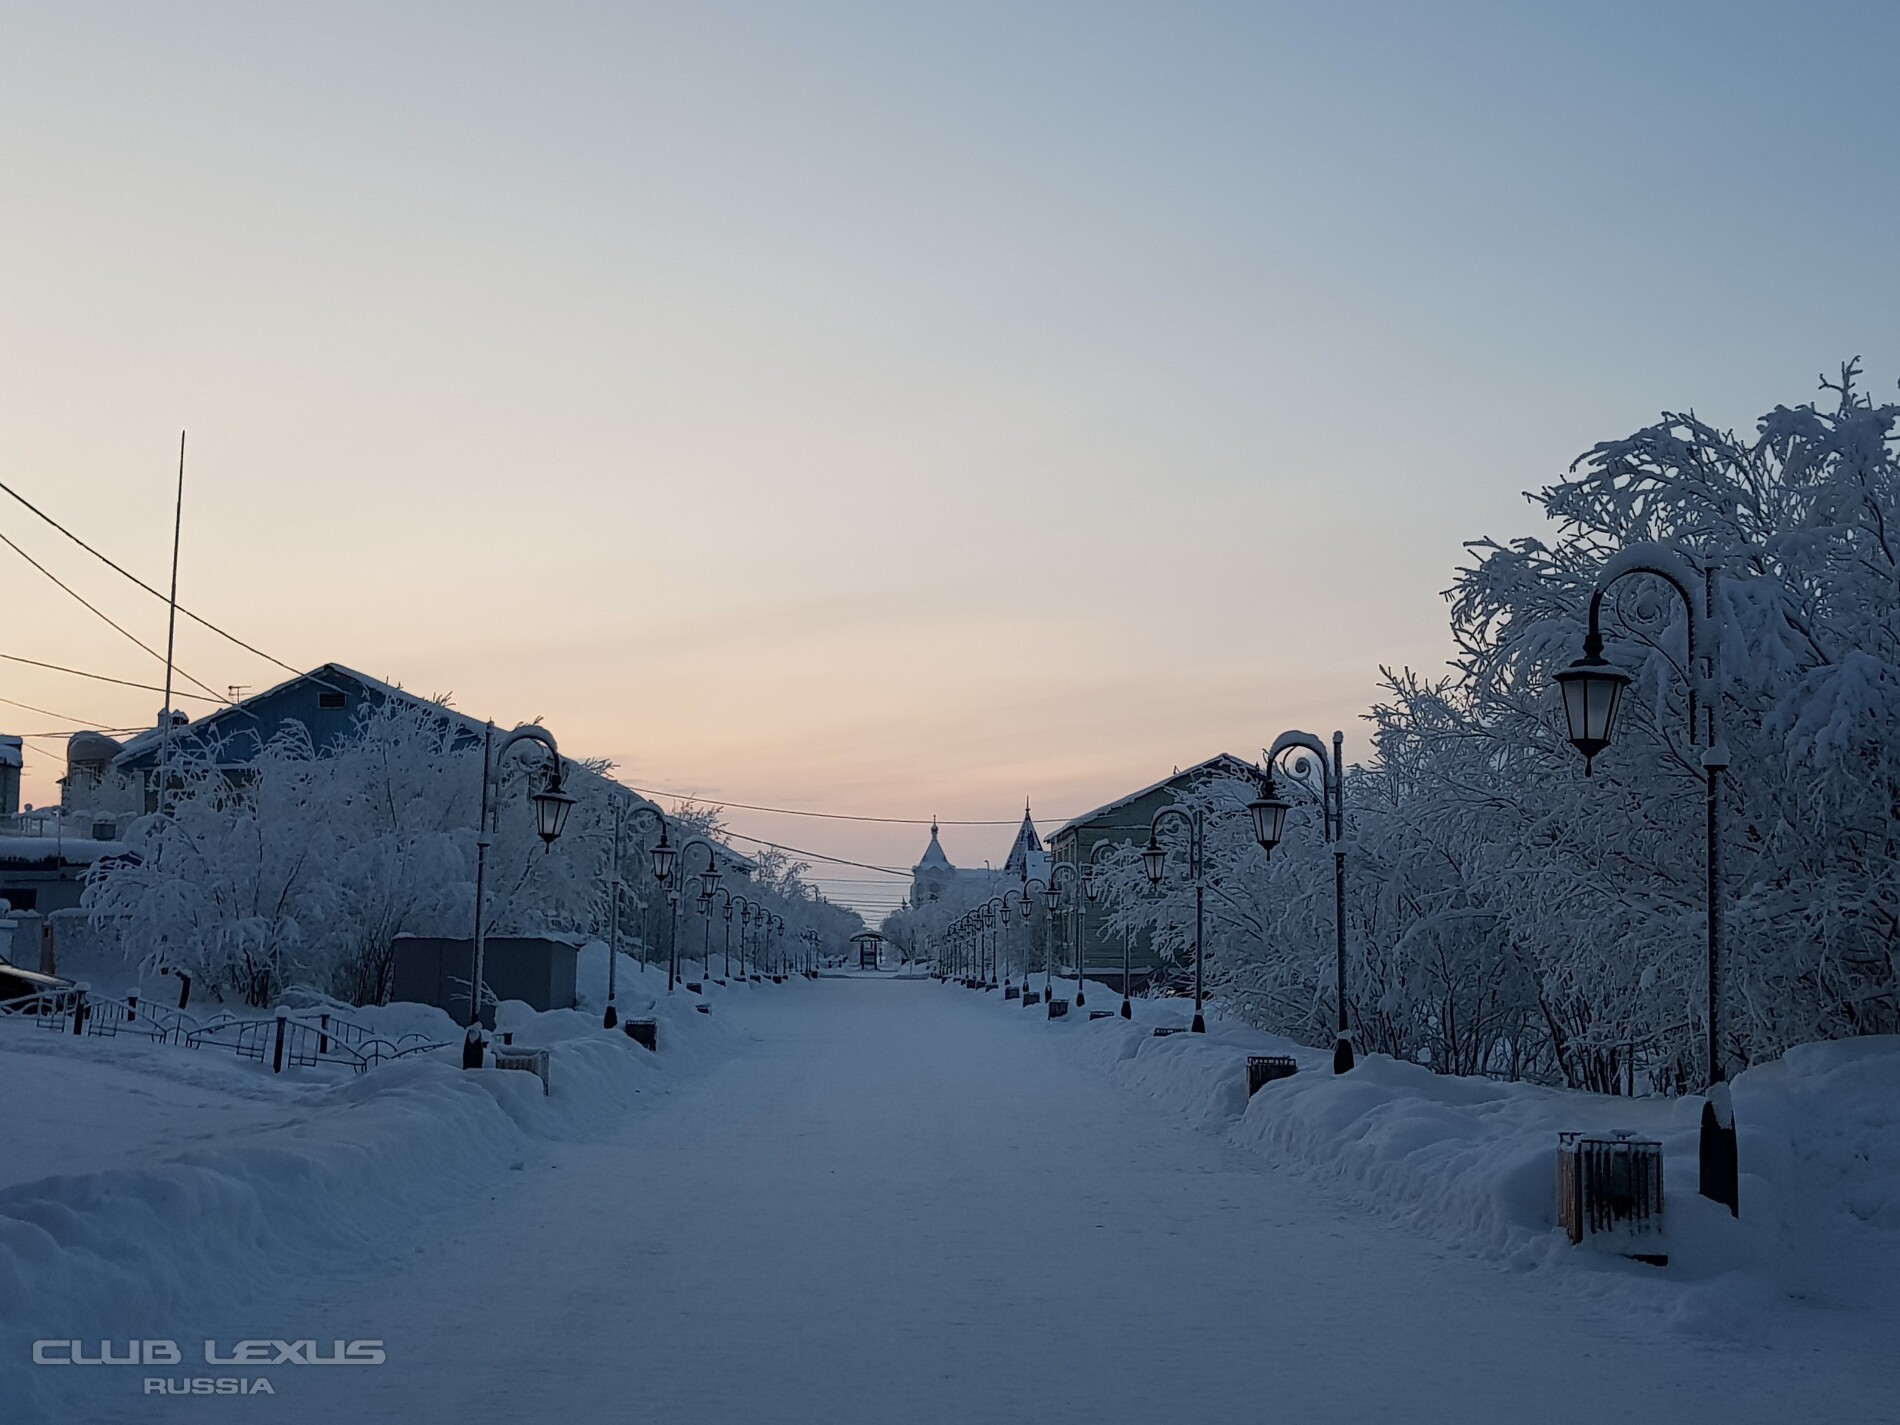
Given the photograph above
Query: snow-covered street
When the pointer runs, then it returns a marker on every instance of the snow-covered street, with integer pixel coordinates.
(892, 1200)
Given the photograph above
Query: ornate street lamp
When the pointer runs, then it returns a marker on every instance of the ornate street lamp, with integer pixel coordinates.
(1269, 810)
(611, 1016)
(1592, 690)
(1053, 896)
(551, 806)
(663, 855)
(1042, 889)
(708, 880)
(1592, 693)
(996, 911)
(1022, 907)
(746, 908)
(1154, 861)
(1091, 891)
(706, 904)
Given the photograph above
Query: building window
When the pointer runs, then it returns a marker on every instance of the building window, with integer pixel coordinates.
(332, 700)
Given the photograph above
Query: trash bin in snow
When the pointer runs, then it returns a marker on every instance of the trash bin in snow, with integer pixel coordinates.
(1263, 1069)
(1058, 1009)
(644, 1032)
(1610, 1193)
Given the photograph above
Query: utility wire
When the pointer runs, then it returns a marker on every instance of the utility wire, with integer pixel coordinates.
(102, 678)
(155, 593)
(64, 733)
(823, 815)
(815, 855)
(100, 613)
(47, 712)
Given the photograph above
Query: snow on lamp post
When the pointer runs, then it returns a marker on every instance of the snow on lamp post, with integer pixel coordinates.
(1592, 690)
(1056, 875)
(1154, 861)
(611, 1016)
(1092, 891)
(662, 857)
(997, 909)
(744, 903)
(1041, 888)
(1022, 908)
(726, 937)
(1269, 810)
(710, 876)
(551, 807)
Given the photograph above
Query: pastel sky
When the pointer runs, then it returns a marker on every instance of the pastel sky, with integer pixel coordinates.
(883, 408)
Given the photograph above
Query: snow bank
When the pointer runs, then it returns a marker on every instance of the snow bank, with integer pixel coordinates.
(1472, 1161)
(310, 1166)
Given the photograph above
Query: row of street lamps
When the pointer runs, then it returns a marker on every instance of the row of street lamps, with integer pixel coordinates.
(1592, 691)
(761, 930)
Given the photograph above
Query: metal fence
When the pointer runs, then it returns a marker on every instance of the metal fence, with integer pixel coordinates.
(297, 1040)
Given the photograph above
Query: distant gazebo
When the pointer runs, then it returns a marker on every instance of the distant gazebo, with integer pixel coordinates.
(870, 950)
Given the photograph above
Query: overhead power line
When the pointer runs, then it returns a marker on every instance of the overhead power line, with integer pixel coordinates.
(118, 568)
(815, 855)
(102, 678)
(95, 610)
(822, 815)
(46, 712)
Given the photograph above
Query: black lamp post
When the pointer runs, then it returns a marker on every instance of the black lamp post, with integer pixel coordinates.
(611, 1016)
(745, 920)
(1075, 908)
(1154, 860)
(706, 905)
(1022, 907)
(1592, 691)
(708, 882)
(997, 911)
(1269, 811)
(1092, 891)
(551, 807)
(1041, 888)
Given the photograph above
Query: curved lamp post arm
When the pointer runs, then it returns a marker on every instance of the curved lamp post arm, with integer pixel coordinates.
(528, 732)
(1693, 586)
(551, 804)
(709, 879)
(1331, 774)
(1154, 860)
(1097, 853)
(662, 851)
(1154, 848)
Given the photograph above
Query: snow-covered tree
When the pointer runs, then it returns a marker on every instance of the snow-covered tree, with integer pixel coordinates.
(1508, 915)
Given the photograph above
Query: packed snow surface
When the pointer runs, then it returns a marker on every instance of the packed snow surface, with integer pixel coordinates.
(870, 1199)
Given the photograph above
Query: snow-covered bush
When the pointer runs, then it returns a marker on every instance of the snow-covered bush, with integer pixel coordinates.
(303, 868)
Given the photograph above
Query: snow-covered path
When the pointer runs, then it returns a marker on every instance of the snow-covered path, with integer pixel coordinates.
(963, 1225)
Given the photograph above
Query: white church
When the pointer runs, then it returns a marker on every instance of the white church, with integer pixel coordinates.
(933, 878)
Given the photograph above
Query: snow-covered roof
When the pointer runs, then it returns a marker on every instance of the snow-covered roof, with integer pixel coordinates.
(1222, 764)
(206, 728)
(1026, 846)
(71, 850)
(933, 858)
